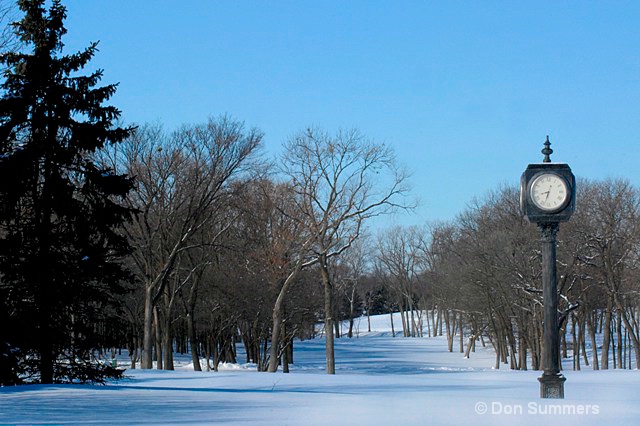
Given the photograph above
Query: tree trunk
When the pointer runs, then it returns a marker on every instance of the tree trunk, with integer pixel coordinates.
(434, 321)
(147, 344)
(447, 323)
(461, 333)
(275, 334)
(328, 307)
(582, 337)
(133, 356)
(216, 352)
(522, 350)
(405, 331)
(167, 341)
(576, 345)
(393, 332)
(414, 328)
(594, 346)
(619, 338)
(207, 352)
(606, 342)
(498, 348)
(351, 312)
(158, 339)
(563, 340)
(193, 341)
(191, 319)
(285, 350)
(276, 317)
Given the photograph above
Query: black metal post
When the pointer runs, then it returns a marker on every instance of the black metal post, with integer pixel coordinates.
(552, 381)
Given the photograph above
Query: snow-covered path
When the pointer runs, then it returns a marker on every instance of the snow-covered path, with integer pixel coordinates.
(380, 380)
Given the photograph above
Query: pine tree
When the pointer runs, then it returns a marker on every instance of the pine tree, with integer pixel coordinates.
(61, 248)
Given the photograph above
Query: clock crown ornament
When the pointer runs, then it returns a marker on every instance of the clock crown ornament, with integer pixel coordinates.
(547, 151)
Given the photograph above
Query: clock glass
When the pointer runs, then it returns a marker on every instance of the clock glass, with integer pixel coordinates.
(549, 192)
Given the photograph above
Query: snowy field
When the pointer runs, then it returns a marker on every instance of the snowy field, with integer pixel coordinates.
(380, 380)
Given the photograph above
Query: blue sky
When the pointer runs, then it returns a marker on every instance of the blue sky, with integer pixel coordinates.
(465, 92)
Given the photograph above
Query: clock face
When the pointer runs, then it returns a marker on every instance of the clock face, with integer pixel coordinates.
(549, 192)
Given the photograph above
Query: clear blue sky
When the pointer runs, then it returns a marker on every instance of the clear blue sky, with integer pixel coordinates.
(465, 92)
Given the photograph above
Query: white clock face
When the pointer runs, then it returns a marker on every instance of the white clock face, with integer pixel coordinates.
(549, 192)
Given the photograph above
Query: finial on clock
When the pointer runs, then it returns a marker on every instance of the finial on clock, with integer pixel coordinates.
(547, 151)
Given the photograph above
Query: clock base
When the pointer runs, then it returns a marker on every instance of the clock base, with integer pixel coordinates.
(552, 386)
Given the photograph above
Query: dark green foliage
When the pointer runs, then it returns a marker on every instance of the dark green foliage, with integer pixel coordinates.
(60, 216)
(380, 301)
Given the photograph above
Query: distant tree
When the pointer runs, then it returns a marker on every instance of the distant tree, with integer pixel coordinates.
(377, 299)
(60, 245)
(354, 266)
(9, 41)
(399, 256)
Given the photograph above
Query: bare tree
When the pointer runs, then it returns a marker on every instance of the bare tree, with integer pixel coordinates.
(272, 250)
(340, 181)
(486, 272)
(354, 264)
(609, 230)
(9, 42)
(289, 255)
(400, 256)
(182, 180)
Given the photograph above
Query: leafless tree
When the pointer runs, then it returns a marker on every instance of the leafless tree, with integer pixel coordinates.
(9, 42)
(272, 251)
(609, 229)
(355, 264)
(486, 270)
(289, 253)
(340, 181)
(399, 254)
(182, 180)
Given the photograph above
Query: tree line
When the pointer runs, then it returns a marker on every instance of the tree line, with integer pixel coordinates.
(193, 240)
(485, 272)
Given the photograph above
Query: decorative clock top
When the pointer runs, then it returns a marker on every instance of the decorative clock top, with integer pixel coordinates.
(547, 151)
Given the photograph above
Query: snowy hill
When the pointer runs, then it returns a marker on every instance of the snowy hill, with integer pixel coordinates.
(380, 380)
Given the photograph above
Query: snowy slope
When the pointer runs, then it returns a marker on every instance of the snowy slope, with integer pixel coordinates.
(380, 380)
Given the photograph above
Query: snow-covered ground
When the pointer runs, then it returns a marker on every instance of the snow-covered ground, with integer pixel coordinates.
(380, 380)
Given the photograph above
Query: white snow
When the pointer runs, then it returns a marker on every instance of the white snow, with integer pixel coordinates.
(380, 380)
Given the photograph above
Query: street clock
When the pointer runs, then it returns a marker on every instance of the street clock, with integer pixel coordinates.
(548, 197)
(547, 190)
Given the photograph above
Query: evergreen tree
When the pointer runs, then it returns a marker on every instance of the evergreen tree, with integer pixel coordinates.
(61, 248)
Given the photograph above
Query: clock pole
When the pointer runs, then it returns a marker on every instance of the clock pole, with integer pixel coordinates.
(551, 381)
(548, 215)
